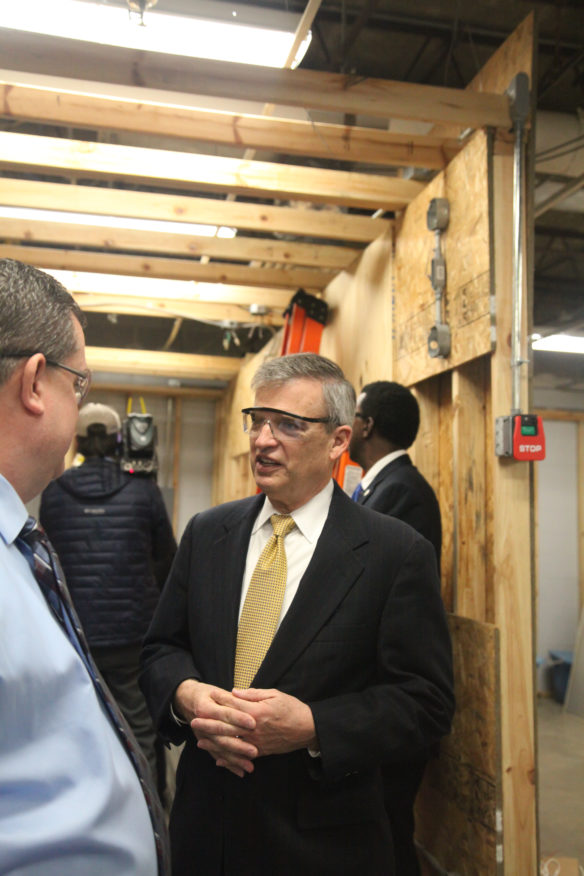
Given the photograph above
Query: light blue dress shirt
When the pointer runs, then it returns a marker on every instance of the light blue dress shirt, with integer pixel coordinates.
(70, 800)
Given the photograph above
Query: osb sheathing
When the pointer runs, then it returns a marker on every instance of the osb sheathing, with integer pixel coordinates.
(465, 245)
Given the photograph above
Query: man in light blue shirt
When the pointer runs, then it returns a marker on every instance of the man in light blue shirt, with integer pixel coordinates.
(72, 801)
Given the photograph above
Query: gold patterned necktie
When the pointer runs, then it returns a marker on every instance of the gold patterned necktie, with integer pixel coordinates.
(263, 603)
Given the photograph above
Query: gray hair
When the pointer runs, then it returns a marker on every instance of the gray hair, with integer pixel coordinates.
(339, 395)
(35, 315)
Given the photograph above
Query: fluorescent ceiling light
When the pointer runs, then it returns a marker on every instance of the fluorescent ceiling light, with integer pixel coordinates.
(560, 344)
(173, 34)
(125, 222)
(139, 287)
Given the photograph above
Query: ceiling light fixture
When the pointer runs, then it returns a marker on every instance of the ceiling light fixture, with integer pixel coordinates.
(129, 224)
(560, 343)
(266, 43)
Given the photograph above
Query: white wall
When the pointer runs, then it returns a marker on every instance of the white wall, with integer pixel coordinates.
(557, 543)
(196, 459)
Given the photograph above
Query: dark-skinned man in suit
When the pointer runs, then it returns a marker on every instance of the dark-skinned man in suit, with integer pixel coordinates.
(387, 419)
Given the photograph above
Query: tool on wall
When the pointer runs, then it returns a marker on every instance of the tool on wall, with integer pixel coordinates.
(437, 219)
(518, 435)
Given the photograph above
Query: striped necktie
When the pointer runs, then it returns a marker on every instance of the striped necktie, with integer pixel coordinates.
(263, 603)
(33, 543)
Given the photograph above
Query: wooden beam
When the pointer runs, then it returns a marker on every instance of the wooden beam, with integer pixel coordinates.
(143, 306)
(244, 249)
(85, 160)
(180, 365)
(289, 136)
(468, 429)
(564, 192)
(170, 268)
(580, 482)
(178, 293)
(512, 573)
(332, 224)
(334, 92)
(131, 388)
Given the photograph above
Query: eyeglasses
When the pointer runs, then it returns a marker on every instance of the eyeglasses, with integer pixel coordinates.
(82, 378)
(282, 424)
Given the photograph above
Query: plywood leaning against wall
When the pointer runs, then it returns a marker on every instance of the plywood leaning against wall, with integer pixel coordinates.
(465, 245)
(463, 782)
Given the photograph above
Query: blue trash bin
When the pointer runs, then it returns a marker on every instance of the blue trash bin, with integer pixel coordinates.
(560, 673)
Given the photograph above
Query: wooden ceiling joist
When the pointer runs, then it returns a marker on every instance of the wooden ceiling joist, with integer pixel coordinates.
(333, 92)
(179, 294)
(288, 136)
(85, 159)
(173, 309)
(243, 249)
(173, 365)
(169, 268)
(107, 201)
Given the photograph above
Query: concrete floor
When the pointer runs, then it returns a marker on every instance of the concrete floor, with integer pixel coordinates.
(561, 780)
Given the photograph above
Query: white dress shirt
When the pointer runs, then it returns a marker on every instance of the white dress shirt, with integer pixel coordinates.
(299, 544)
(372, 473)
(71, 803)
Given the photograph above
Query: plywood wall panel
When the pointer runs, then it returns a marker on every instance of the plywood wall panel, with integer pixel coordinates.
(358, 332)
(469, 448)
(465, 245)
(445, 489)
(456, 809)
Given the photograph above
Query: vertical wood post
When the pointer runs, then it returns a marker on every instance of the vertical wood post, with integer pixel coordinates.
(513, 597)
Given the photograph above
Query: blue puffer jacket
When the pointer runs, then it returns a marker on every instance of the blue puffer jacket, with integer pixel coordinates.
(115, 542)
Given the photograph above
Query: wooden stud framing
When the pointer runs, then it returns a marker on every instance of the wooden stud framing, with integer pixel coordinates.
(292, 136)
(301, 221)
(136, 240)
(144, 306)
(205, 173)
(189, 366)
(512, 582)
(469, 573)
(172, 269)
(305, 88)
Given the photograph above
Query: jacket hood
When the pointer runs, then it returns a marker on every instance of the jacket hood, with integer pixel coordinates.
(95, 479)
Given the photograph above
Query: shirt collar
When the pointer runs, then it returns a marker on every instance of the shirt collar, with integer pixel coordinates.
(13, 513)
(309, 518)
(372, 473)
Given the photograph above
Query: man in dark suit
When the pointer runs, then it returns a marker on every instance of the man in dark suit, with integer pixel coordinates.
(283, 778)
(387, 419)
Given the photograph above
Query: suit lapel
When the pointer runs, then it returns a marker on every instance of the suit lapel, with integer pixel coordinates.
(331, 573)
(382, 475)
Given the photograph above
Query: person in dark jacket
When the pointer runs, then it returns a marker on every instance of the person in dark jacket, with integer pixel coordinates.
(113, 536)
(387, 419)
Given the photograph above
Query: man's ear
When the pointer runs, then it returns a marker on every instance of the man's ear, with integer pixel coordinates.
(32, 384)
(341, 438)
(368, 424)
